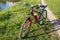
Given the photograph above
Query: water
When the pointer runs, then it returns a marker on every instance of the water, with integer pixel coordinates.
(4, 5)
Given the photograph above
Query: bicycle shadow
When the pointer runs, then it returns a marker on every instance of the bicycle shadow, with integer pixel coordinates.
(53, 23)
(56, 23)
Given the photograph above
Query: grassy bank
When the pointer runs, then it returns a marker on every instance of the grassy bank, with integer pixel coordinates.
(12, 18)
(54, 6)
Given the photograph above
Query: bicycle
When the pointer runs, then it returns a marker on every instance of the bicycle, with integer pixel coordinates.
(25, 27)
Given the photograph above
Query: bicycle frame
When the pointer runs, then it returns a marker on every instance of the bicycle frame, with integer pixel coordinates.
(25, 27)
(36, 17)
(31, 13)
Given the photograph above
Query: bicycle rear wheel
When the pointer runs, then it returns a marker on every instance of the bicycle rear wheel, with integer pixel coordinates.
(43, 16)
(25, 29)
(41, 20)
(44, 13)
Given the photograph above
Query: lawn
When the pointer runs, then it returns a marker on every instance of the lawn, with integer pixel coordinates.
(12, 18)
(54, 6)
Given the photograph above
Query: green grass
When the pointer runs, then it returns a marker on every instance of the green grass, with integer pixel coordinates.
(12, 18)
(54, 6)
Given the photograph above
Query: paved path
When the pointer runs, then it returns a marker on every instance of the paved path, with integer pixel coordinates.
(54, 21)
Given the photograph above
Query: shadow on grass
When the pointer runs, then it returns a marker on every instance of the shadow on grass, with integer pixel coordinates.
(53, 23)
(56, 23)
(42, 33)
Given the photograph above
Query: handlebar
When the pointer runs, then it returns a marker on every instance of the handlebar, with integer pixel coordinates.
(37, 6)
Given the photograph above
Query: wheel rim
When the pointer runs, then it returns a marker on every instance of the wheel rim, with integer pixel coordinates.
(24, 30)
(45, 14)
(41, 20)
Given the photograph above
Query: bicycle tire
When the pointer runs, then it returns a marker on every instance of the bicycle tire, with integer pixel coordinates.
(44, 13)
(41, 20)
(24, 30)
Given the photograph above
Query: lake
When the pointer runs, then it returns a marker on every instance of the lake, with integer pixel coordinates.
(6, 3)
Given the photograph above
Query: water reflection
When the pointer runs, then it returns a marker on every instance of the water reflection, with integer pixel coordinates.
(4, 5)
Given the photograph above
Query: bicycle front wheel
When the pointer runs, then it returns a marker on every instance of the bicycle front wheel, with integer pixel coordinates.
(25, 29)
